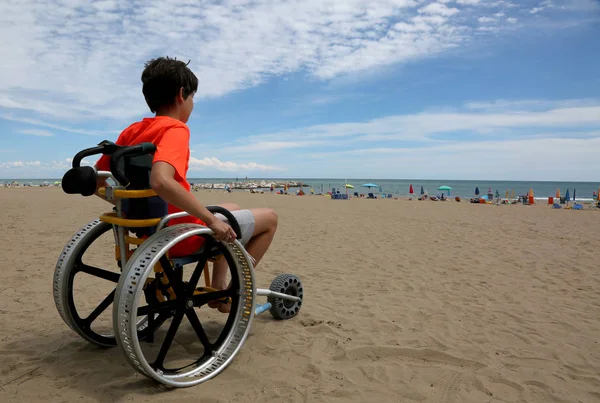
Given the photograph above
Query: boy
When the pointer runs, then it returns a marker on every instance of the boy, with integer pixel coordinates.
(169, 87)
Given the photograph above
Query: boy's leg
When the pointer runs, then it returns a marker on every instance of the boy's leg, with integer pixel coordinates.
(265, 226)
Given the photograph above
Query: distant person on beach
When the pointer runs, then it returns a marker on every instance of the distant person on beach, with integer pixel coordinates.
(169, 87)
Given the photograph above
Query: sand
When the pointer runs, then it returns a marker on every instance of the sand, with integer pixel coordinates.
(404, 302)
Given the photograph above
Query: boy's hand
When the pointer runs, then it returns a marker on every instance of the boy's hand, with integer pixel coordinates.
(223, 232)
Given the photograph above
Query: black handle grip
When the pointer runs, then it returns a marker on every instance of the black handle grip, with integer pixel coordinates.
(139, 149)
(86, 153)
(105, 147)
(232, 221)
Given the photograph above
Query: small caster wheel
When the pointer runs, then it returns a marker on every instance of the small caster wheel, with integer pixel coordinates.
(286, 284)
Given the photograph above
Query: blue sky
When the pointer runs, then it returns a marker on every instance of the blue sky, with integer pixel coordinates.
(462, 89)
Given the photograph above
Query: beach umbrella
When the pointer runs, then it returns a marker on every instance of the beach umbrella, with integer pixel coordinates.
(567, 196)
(348, 186)
(574, 190)
(410, 189)
(369, 185)
(557, 195)
(422, 190)
(476, 190)
(448, 188)
(497, 194)
(506, 194)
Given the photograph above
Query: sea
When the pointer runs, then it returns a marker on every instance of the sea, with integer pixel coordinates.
(583, 191)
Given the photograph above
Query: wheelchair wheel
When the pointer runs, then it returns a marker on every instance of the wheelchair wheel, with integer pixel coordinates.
(75, 307)
(184, 353)
(286, 284)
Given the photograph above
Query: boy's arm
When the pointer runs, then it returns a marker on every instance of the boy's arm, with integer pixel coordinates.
(162, 181)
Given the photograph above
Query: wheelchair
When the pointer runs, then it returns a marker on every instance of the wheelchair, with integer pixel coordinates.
(150, 289)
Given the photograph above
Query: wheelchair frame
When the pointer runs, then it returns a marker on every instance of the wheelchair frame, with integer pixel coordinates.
(179, 298)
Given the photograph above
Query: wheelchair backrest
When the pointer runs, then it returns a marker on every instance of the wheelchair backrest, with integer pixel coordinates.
(131, 165)
(137, 169)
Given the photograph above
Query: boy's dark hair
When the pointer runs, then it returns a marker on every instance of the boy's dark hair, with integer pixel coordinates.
(162, 78)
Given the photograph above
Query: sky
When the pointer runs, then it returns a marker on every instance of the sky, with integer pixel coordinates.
(382, 89)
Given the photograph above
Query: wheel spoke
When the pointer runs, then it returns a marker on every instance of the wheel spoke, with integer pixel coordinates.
(100, 308)
(161, 307)
(230, 321)
(196, 276)
(157, 322)
(94, 271)
(205, 298)
(193, 318)
(174, 280)
(169, 337)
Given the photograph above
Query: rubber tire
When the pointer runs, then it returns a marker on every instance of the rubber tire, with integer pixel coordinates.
(286, 284)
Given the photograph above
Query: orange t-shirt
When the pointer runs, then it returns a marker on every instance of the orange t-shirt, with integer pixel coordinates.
(172, 140)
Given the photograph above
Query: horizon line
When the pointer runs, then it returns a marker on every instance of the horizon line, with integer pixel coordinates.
(347, 179)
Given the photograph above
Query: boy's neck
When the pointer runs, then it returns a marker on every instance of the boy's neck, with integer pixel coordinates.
(168, 113)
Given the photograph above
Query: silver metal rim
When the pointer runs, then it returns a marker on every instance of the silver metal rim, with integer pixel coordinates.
(130, 288)
(63, 270)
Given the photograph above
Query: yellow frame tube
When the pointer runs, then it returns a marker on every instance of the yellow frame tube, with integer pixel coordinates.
(129, 194)
(112, 218)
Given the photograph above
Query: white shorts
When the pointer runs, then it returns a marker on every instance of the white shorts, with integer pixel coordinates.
(245, 219)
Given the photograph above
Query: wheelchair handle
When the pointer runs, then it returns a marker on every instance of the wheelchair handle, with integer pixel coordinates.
(105, 147)
(139, 149)
(232, 221)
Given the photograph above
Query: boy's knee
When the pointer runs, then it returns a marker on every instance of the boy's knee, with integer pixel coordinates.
(273, 218)
(266, 218)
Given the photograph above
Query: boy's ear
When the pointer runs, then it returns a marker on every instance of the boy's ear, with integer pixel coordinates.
(180, 95)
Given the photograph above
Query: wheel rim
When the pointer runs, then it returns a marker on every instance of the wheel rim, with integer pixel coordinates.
(215, 355)
(72, 262)
(69, 265)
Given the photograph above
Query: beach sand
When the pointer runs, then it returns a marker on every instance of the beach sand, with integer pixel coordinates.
(404, 302)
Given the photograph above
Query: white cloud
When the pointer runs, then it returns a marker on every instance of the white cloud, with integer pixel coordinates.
(37, 132)
(485, 20)
(31, 169)
(489, 117)
(497, 137)
(81, 61)
(443, 143)
(438, 9)
(511, 20)
(36, 122)
(517, 159)
(19, 164)
(229, 166)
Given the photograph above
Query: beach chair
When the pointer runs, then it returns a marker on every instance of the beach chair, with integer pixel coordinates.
(371, 196)
(152, 286)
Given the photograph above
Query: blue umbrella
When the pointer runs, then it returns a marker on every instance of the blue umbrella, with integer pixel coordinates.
(567, 196)
(369, 185)
(476, 190)
(574, 190)
(422, 190)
